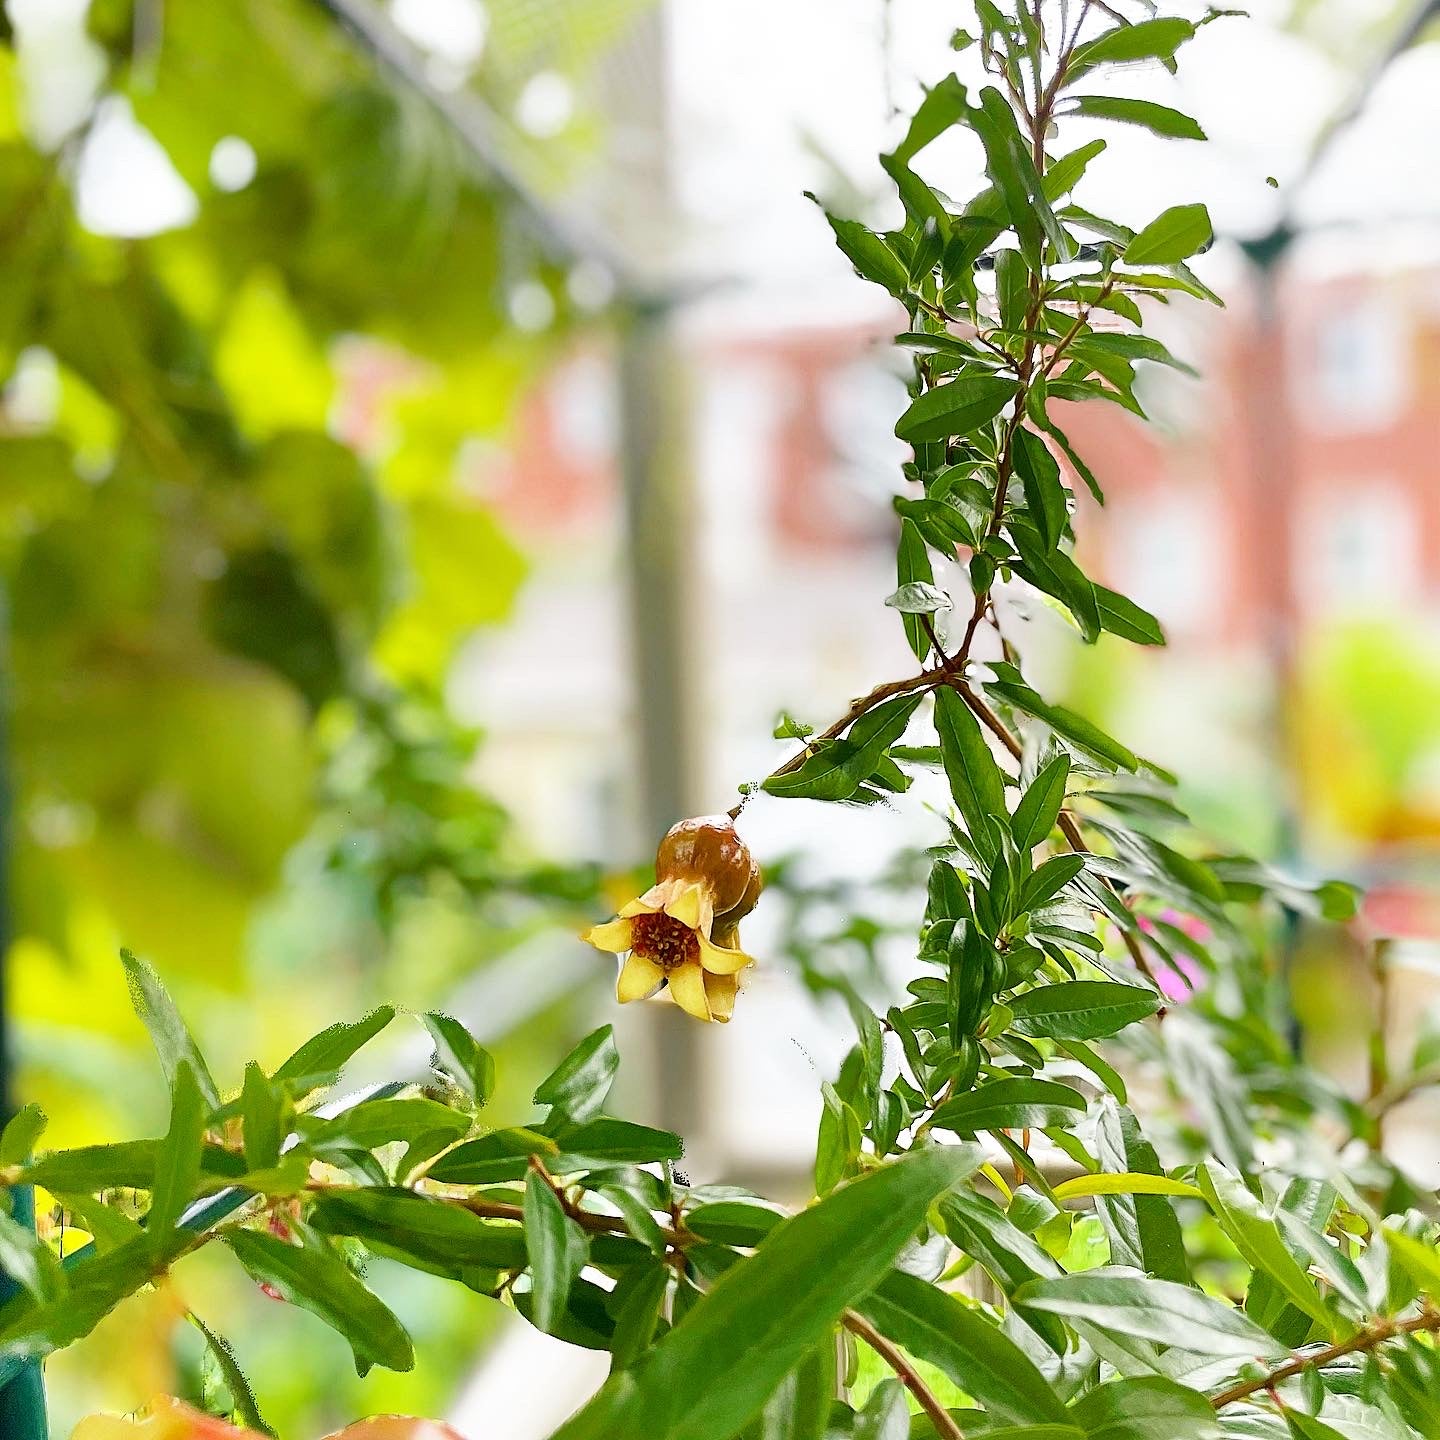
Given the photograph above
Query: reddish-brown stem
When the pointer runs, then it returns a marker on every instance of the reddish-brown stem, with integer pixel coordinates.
(1368, 1337)
(907, 1374)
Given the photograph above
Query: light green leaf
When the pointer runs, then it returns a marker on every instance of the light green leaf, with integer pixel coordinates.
(1159, 118)
(919, 598)
(1109, 1183)
(323, 1054)
(168, 1032)
(25, 1127)
(1173, 236)
(177, 1161)
(260, 1110)
(247, 1408)
(1126, 1303)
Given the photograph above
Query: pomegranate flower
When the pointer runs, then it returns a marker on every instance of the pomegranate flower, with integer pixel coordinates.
(682, 934)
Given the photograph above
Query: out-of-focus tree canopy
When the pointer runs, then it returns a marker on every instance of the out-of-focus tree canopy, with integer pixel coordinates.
(236, 534)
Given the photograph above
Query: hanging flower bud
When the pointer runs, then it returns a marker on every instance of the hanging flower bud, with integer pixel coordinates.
(682, 934)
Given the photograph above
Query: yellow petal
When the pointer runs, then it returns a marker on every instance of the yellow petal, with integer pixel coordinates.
(720, 993)
(646, 904)
(687, 989)
(639, 979)
(720, 961)
(691, 905)
(613, 935)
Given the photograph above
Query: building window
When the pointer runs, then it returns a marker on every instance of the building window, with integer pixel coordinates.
(1358, 370)
(1358, 548)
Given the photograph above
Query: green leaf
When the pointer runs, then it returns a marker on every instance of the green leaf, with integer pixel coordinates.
(1123, 617)
(1045, 497)
(1144, 1407)
(1011, 1104)
(460, 1057)
(1106, 1183)
(1050, 877)
(28, 1261)
(1258, 1239)
(260, 1109)
(837, 1142)
(638, 1316)
(835, 770)
(872, 258)
(579, 1084)
(1420, 1261)
(372, 1123)
(558, 1251)
(619, 1142)
(247, 1408)
(1146, 1309)
(1062, 175)
(710, 1375)
(410, 1225)
(885, 1415)
(912, 567)
(800, 1408)
(732, 1222)
(975, 779)
(317, 1280)
(25, 1127)
(1146, 40)
(169, 1034)
(1067, 724)
(958, 407)
(1173, 236)
(1011, 168)
(1143, 1229)
(32, 1329)
(919, 598)
(323, 1054)
(1081, 1009)
(500, 1155)
(177, 1161)
(943, 105)
(1159, 118)
(1039, 807)
(973, 1351)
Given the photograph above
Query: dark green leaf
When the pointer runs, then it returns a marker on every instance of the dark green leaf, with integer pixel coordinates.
(1046, 499)
(168, 1032)
(732, 1222)
(912, 567)
(28, 1261)
(1050, 877)
(620, 1142)
(885, 1415)
(558, 1251)
(1123, 617)
(1147, 40)
(975, 779)
(1147, 1407)
(872, 258)
(974, 1352)
(1067, 724)
(429, 1229)
(1081, 1009)
(835, 771)
(800, 1408)
(461, 1057)
(1011, 1104)
(955, 408)
(578, 1086)
(500, 1155)
(1039, 807)
(372, 1123)
(711, 1374)
(319, 1281)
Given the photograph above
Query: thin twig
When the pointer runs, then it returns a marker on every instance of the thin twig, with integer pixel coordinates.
(906, 1373)
(1367, 1338)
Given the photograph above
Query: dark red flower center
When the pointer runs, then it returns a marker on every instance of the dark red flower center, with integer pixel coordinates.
(664, 940)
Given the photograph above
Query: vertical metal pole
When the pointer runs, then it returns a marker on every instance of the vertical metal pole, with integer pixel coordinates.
(22, 1401)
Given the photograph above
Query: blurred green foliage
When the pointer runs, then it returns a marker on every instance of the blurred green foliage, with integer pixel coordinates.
(239, 551)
